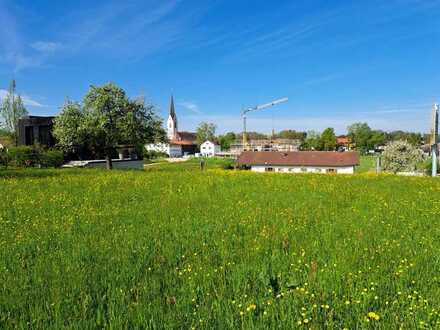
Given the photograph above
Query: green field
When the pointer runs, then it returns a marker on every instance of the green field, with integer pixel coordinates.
(174, 248)
(367, 164)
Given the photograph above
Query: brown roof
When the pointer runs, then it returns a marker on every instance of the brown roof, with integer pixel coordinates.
(185, 139)
(182, 142)
(299, 158)
(187, 136)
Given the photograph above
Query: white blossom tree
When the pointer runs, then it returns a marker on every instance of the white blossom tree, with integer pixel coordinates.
(401, 156)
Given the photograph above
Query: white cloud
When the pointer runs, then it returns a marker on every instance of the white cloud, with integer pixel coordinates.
(191, 106)
(46, 46)
(27, 101)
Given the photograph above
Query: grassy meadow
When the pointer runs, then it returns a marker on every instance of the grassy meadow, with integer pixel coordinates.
(174, 248)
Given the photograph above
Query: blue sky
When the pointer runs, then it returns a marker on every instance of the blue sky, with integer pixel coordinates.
(337, 61)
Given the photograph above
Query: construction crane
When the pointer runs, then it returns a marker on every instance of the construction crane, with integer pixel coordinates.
(258, 107)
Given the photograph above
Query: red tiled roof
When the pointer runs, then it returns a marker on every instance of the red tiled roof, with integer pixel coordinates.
(299, 158)
(182, 142)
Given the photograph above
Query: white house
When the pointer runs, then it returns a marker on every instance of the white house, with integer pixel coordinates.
(209, 149)
(300, 161)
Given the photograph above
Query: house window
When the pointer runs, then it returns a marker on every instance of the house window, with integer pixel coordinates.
(303, 169)
(318, 170)
(269, 169)
(331, 170)
(291, 170)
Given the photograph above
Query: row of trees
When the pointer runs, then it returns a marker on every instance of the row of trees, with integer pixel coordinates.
(363, 137)
(366, 138)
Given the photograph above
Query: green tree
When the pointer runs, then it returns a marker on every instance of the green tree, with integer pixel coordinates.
(226, 140)
(415, 139)
(69, 129)
(11, 110)
(205, 131)
(107, 119)
(291, 134)
(377, 138)
(360, 134)
(401, 156)
(327, 140)
(312, 141)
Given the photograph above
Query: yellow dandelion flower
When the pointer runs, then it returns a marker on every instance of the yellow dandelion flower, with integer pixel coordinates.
(373, 316)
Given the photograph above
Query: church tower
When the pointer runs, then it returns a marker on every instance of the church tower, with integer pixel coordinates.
(172, 122)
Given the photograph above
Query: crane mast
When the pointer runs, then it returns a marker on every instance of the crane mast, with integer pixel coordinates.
(256, 108)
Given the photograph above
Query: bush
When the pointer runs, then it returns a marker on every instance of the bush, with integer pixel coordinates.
(30, 156)
(229, 165)
(427, 166)
(23, 156)
(51, 158)
(154, 154)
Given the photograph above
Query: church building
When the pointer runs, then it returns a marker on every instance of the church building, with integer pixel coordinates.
(179, 143)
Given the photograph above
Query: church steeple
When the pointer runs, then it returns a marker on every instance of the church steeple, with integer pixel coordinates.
(172, 121)
(172, 110)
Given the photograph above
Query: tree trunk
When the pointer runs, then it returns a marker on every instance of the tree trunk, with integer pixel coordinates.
(108, 161)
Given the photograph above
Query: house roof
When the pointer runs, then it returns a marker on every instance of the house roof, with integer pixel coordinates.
(299, 158)
(185, 138)
(182, 143)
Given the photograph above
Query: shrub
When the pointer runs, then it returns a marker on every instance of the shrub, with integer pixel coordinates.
(154, 154)
(427, 166)
(30, 156)
(229, 164)
(23, 156)
(51, 158)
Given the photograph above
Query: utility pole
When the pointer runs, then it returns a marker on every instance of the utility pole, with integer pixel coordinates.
(258, 107)
(434, 139)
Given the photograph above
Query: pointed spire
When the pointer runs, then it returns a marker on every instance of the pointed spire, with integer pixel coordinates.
(172, 110)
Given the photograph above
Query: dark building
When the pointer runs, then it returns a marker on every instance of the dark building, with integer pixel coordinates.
(36, 130)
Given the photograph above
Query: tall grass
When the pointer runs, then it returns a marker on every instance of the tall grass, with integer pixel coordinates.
(174, 247)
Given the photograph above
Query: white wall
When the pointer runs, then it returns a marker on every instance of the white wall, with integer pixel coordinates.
(209, 149)
(175, 151)
(304, 169)
(171, 128)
